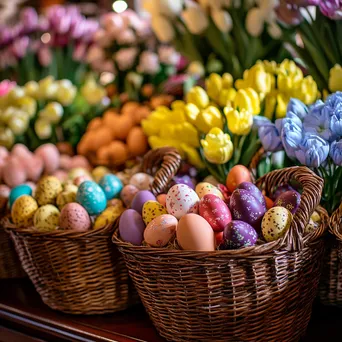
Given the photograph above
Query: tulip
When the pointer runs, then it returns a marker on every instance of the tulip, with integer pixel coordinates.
(247, 99)
(282, 101)
(6, 137)
(290, 134)
(209, 118)
(20, 46)
(239, 122)
(192, 156)
(227, 80)
(44, 56)
(255, 22)
(269, 137)
(336, 152)
(196, 69)
(43, 129)
(163, 28)
(29, 19)
(214, 86)
(195, 19)
(18, 123)
(227, 97)
(92, 92)
(31, 88)
(47, 88)
(335, 78)
(148, 63)
(6, 86)
(168, 8)
(270, 106)
(222, 20)
(307, 91)
(52, 112)
(28, 105)
(126, 57)
(198, 97)
(168, 55)
(157, 142)
(191, 112)
(297, 107)
(217, 146)
(66, 94)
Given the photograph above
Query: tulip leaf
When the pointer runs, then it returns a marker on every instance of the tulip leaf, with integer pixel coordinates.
(339, 36)
(335, 56)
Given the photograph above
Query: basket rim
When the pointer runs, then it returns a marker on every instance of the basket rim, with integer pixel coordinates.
(336, 222)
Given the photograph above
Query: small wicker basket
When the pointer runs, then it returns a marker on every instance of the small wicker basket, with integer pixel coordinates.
(77, 273)
(260, 293)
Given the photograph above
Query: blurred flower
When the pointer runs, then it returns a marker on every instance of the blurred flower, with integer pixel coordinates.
(222, 20)
(191, 112)
(65, 92)
(168, 55)
(93, 92)
(297, 107)
(28, 105)
(289, 15)
(209, 118)
(6, 137)
(259, 121)
(29, 18)
(227, 97)
(255, 22)
(125, 37)
(47, 87)
(335, 78)
(336, 152)
(20, 46)
(163, 28)
(44, 56)
(217, 146)
(6, 86)
(270, 138)
(331, 8)
(79, 52)
(95, 54)
(313, 151)
(168, 8)
(195, 19)
(239, 121)
(307, 90)
(214, 86)
(18, 123)
(192, 156)
(135, 79)
(43, 129)
(198, 97)
(52, 112)
(125, 57)
(196, 69)
(247, 99)
(148, 63)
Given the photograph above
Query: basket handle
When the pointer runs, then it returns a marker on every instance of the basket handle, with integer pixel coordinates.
(312, 190)
(335, 222)
(162, 163)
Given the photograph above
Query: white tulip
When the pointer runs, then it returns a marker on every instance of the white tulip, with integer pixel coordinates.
(274, 30)
(170, 8)
(255, 22)
(222, 20)
(195, 19)
(162, 28)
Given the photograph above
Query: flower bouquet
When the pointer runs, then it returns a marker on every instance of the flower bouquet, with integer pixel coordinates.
(225, 36)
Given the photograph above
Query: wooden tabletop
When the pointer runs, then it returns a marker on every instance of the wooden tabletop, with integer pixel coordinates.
(25, 318)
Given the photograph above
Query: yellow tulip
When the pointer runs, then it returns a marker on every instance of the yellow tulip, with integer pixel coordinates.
(191, 112)
(149, 127)
(7, 114)
(177, 116)
(156, 142)
(6, 137)
(31, 89)
(47, 88)
(43, 129)
(227, 96)
(335, 78)
(282, 102)
(217, 146)
(214, 86)
(269, 66)
(66, 95)
(52, 112)
(178, 104)
(307, 91)
(270, 105)
(247, 99)
(18, 123)
(192, 156)
(15, 94)
(209, 118)
(198, 97)
(285, 83)
(290, 68)
(28, 104)
(239, 122)
(227, 81)
(93, 92)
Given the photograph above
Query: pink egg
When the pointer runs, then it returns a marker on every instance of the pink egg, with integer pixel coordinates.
(14, 172)
(65, 162)
(80, 179)
(127, 194)
(162, 199)
(21, 151)
(74, 217)
(3, 153)
(34, 167)
(80, 161)
(61, 175)
(50, 155)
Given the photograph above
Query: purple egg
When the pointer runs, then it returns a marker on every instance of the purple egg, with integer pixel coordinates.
(254, 191)
(140, 198)
(280, 189)
(131, 227)
(183, 180)
(238, 234)
(245, 207)
(289, 200)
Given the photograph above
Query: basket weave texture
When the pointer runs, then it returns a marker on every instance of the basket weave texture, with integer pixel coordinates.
(260, 293)
(77, 273)
(10, 266)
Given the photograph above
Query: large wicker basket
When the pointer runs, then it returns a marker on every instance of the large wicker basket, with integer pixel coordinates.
(260, 293)
(77, 273)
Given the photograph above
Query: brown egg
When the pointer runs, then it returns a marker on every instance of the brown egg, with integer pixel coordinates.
(118, 152)
(94, 124)
(142, 112)
(110, 119)
(129, 107)
(65, 148)
(122, 127)
(103, 154)
(136, 142)
(82, 147)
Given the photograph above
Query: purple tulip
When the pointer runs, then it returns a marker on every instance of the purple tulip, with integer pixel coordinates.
(336, 152)
(20, 46)
(270, 138)
(331, 8)
(44, 56)
(289, 14)
(29, 19)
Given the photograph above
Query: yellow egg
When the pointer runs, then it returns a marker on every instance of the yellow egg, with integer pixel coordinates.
(275, 223)
(47, 190)
(23, 211)
(108, 216)
(46, 218)
(78, 171)
(151, 210)
(206, 188)
(99, 172)
(315, 217)
(70, 187)
(65, 197)
(311, 226)
(115, 202)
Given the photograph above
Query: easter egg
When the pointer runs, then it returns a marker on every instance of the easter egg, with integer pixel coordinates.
(99, 172)
(127, 194)
(275, 223)
(108, 216)
(34, 167)
(218, 238)
(18, 191)
(211, 180)
(46, 218)
(140, 199)
(23, 210)
(78, 171)
(238, 234)
(131, 227)
(245, 207)
(181, 200)
(252, 189)
(162, 199)
(203, 189)
(195, 234)
(311, 226)
(4, 195)
(152, 209)
(183, 180)
(316, 217)
(65, 197)
(141, 180)
(111, 186)
(74, 217)
(289, 200)
(13, 172)
(80, 179)
(160, 230)
(50, 155)
(215, 211)
(236, 176)
(47, 190)
(65, 162)
(117, 203)
(280, 189)
(269, 202)
(61, 175)
(91, 197)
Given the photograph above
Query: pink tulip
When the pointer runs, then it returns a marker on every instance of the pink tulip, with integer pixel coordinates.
(79, 52)
(125, 58)
(126, 37)
(44, 56)
(6, 86)
(29, 19)
(168, 55)
(149, 63)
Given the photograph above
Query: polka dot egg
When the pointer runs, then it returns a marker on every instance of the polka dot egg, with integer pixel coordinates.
(111, 186)
(151, 210)
(23, 211)
(47, 190)
(46, 218)
(204, 188)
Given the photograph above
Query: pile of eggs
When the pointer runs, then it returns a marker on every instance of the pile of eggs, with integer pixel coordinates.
(210, 216)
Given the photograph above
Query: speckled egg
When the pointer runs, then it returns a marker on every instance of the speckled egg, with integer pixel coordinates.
(127, 194)
(151, 210)
(47, 190)
(74, 217)
(140, 199)
(111, 186)
(99, 172)
(215, 211)
(108, 216)
(183, 180)
(251, 188)
(141, 180)
(316, 217)
(23, 210)
(238, 234)
(289, 200)
(275, 223)
(65, 197)
(91, 197)
(18, 191)
(131, 227)
(311, 226)
(203, 189)
(160, 230)
(46, 218)
(181, 200)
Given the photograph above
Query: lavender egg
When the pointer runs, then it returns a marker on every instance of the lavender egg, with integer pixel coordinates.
(245, 207)
(238, 234)
(131, 227)
(183, 180)
(140, 199)
(289, 200)
(280, 189)
(254, 191)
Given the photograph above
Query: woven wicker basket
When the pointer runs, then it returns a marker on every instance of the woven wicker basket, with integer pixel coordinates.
(77, 273)
(260, 293)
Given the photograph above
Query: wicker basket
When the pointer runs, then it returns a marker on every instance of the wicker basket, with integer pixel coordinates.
(77, 273)
(260, 293)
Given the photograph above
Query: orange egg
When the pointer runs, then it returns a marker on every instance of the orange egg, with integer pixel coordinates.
(162, 199)
(122, 127)
(118, 152)
(103, 136)
(129, 107)
(103, 154)
(218, 237)
(269, 202)
(137, 142)
(82, 147)
(236, 176)
(94, 124)
(110, 118)
(142, 112)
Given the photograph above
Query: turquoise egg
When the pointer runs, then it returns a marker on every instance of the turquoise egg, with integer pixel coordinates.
(91, 197)
(18, 191)
(111, 186)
